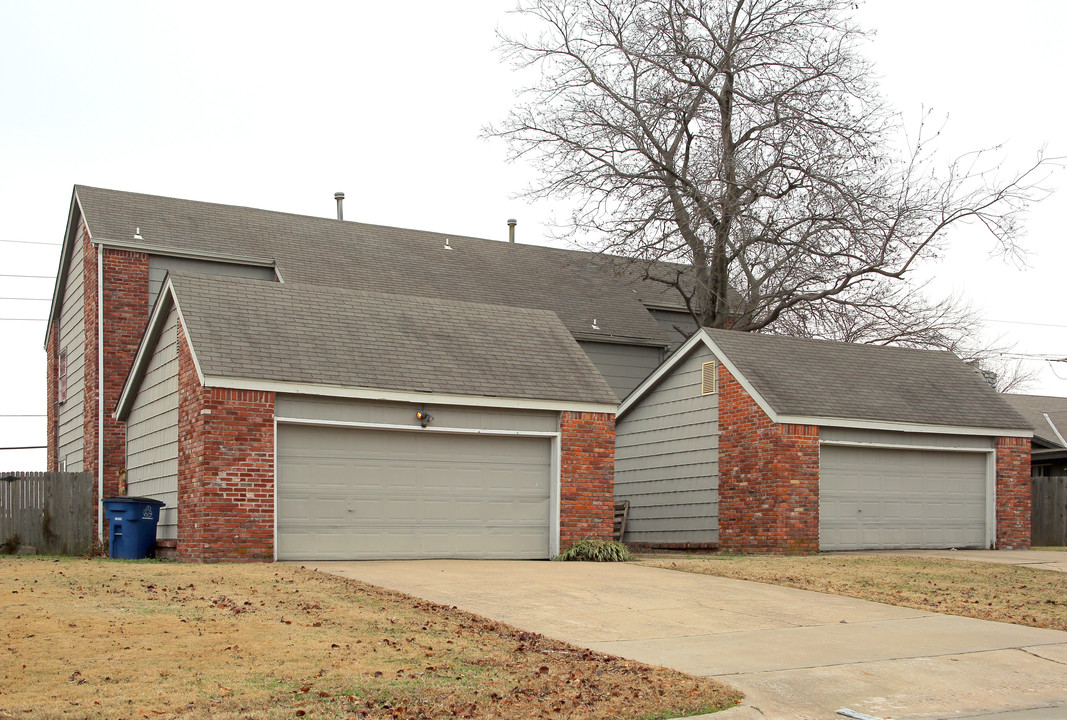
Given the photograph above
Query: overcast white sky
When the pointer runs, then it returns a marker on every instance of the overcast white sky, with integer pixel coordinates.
(278, 105)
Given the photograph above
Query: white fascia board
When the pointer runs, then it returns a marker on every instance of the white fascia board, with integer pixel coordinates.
(144, 350)
(64, 265)
(188, 337)
(700, 337)
(902, 426)
(1054, 429)
(742, 380)
(358, 393)
(697, 338)
(166, 250)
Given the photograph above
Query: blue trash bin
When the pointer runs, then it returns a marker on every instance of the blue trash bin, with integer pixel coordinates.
(133, 521)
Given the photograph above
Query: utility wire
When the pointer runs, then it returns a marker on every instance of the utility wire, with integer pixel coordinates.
(26, 447)
(30, 277)
(1023, 322)
(20, 299)
(3, 319)
(32, 242)
(22, 416)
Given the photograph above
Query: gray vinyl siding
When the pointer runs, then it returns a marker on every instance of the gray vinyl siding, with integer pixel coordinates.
(152, 431)
(671, 321)
(160, 265)
(666, 460)
(623, 366)
(889, 437)
(70, 436)
(394, 413)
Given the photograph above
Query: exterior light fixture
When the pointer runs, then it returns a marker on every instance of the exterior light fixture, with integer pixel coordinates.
(424, 417)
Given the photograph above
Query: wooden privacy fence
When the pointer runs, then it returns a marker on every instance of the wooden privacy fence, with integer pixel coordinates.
(1048, 510)
(51, 512)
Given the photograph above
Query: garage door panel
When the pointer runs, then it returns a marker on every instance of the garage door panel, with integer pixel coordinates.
(357, 493)
(874, 498)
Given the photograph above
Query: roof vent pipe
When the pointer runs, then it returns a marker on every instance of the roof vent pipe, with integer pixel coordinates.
(512, 222)
(340, 198)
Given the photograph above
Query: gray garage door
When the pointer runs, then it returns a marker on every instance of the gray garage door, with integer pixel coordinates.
(880, 498)
(346, 494)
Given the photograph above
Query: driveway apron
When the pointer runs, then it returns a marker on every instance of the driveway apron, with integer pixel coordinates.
(794, 653)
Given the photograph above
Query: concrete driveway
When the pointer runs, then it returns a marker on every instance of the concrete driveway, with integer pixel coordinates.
(795, 653)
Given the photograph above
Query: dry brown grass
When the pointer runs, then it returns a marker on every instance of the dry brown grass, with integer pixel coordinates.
(112, 639)
(1021, 595)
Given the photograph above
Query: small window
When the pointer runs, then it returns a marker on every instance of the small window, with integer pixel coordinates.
(61, 390)
(708, 376)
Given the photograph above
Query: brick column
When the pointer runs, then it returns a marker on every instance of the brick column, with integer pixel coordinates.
(768, 477)
(587, 477)
(225, 469)
(125, 318)
(52, 395)
(125, 315)
(1013, 493)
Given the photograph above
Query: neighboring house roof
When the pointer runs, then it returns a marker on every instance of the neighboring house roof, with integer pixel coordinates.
(819, 382)
(1046, 414)
(580, 287)
(291, 337)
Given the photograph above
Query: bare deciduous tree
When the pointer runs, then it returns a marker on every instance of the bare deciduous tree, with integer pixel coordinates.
(746, 141)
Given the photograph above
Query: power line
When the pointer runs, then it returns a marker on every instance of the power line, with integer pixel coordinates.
(1023, 322)
(3, 319)
(23, 416)
(20, 299)
(32, 242)
(26, 447)
(30, 277)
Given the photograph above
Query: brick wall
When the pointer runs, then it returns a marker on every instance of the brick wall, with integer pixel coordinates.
(768, 477)
(225, 469)
(587, 477)
(1013, 493)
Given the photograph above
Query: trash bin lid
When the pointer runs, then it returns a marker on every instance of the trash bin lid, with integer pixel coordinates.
(132, 499)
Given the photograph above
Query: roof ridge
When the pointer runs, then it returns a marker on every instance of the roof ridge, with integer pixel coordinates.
(844, 343)
(271, 286)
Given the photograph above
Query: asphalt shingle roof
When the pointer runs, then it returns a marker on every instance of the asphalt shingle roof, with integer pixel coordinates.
(818, 378)
(357, 339)
(579, 287)
(1034, 407)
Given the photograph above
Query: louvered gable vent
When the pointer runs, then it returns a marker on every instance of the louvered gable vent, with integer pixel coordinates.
(708, 376)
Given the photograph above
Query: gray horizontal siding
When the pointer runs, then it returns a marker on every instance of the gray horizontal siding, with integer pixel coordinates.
(70, 438)
(159, 266)
(152, 431)
(678, 325)
(623, 366)
(666, 460)
(394, 413)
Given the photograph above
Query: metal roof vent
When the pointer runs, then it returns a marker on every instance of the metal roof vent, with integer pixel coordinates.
(512, 222)
(709, 375)
(340, 198)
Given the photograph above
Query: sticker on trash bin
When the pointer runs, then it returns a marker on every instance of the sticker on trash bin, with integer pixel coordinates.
(147, 514)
